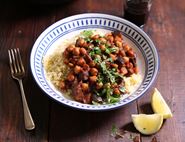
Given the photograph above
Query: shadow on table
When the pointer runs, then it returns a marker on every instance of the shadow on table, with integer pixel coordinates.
(11, 10)
(67, 124)
(11, 110)
(146, 108)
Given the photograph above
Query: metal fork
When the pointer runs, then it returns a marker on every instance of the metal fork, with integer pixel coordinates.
(18, 72)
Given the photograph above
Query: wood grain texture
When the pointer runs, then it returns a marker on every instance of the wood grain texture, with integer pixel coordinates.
(22, 22)
(19, 30)
(166, 28)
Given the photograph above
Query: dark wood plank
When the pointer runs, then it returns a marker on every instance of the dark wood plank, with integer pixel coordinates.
(19, 29)
(76, 126)
(70, 125)
(166, 28)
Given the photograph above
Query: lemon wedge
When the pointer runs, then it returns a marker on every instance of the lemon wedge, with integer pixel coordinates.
(159, 105)
(147, 123)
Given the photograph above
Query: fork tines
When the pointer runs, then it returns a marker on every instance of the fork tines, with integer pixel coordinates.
(16, 64)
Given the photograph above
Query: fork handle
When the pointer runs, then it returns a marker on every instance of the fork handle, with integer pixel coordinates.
(28, 120)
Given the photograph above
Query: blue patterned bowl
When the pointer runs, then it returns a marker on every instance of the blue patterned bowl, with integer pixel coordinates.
(147, 56)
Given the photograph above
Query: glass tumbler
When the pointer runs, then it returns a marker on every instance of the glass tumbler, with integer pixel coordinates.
(137, 11)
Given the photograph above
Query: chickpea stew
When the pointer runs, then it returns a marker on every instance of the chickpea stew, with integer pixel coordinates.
(97, 67)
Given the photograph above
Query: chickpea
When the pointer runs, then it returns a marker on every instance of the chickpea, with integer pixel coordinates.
(76, 51)
(108, 34)
(114, 57)
(117, 38)
(90, 45)
(130, 70)
(127, 65)
(94, 37)
(65, 53)
(126, 48)
(83, 51)
(66, 61)
(85, 45)
(70, 48)
(70, 77)
(77, 69)
(93, 78)
(85, 87)
(86, 67)
(99, 85)
(114, 85)
(103, 40)
(92, 64)
(102, 47)
(87, 98)
(80, 42)
(108, 43)
(126, 59)
(136, 70)
(71, 65)
(114, 65)
(119, 44)
(131, 65)
(123, 71)
(94, 71)
(116, 91)
(97, 56)
(122, 53)
(62, 85)
(110, 38)
(107, 85)
(130, 53)
(81, 62)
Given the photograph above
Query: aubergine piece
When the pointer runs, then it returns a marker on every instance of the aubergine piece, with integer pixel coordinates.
(97, 99)
(77, 92)
(84, 76)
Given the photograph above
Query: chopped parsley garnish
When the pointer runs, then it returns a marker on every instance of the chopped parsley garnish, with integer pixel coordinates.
(110, 50)
(114, 130)
(87, 33)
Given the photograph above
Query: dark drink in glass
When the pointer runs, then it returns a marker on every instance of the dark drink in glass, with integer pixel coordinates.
(137, 11)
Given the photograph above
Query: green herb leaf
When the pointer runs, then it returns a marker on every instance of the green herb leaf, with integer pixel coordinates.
(95, 103)
(92, 53)
(98, 41)
(98, 94)
(109, 60)
(110, 50)
(122, 89)
(104, 57)
(107, 72)
(87, 33)
(97, 60)
(114, 130)
(87, 39)
(100, 78)
(118, 75)
(114, 49)
(97, 50)
(104, 91)
(113, 99)
(111, 77)
(114, 69)
(109, 91)
(107, 50)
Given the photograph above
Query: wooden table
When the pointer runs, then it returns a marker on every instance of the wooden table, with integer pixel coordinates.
(22, 22)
